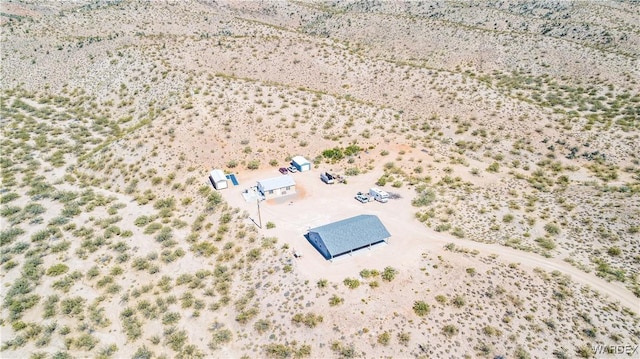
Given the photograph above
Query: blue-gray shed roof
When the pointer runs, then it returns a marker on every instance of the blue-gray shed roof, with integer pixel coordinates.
(352, 233)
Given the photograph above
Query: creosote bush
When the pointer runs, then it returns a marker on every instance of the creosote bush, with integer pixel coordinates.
(421, 308)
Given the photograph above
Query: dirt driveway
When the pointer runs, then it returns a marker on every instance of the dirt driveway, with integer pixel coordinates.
(317, 203)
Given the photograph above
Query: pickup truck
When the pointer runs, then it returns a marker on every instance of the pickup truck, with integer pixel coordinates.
(292, 169)
(327, 178)
(363, 197)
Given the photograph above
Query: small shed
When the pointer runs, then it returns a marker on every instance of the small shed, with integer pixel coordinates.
(277, 186)
(218, 179)
(348, 235)
(301, 163)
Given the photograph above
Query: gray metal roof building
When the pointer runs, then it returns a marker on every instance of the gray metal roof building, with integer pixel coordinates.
(348, 235)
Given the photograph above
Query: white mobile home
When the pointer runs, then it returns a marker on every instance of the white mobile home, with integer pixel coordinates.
(218, 179)
(277, 186)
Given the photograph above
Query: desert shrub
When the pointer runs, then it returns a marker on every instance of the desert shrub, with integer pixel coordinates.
(152, 228)
(352, 150)
(491, 331)
(57, 269)
(450, 330)
(333, 154)
(143, 353)
(220, 336)
(276, 350)
(421, 308)
(546, 243)
(31, 269)
(310, 320)
(389, 274)
(132, 326)
(494, 167)
(35, 209)
(253, 164)
(404, 338)
(520, 353)
(352, 283)
(246, 315)
(344, 351)
(165, 237)
(20, 247)
(458, 301)
(67, 281)
(262, 326)
(142, 221)
(322, 283)
(614, 251)
(9, 235)
(175, 339)
(8, 197)
(458, 232)
(352, 171)
(471, 271)
(72, 306)
(169, 203)
(552, 228)
(7, 211)
(61, 355)
(213, 200)
(170, 318)
(93, 272)
(424, 198)
(86, 342)
(271, 225)
(335, 300)
(384, 338)
(483, 349)
(254, 254)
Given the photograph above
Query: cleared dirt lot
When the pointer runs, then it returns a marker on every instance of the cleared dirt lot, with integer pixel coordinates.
(519, 117)
(316, 204)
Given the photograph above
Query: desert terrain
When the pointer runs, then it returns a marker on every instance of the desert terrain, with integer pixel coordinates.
(507, 133)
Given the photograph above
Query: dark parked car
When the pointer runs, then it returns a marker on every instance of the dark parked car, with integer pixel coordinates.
(283, 170)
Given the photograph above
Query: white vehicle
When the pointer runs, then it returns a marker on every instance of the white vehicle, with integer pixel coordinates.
(379, 195)
(326, 177)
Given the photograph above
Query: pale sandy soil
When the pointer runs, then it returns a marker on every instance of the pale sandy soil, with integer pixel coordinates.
(519, 118)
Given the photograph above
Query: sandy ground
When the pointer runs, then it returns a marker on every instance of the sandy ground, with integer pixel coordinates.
(318, 204)
(140, 100)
